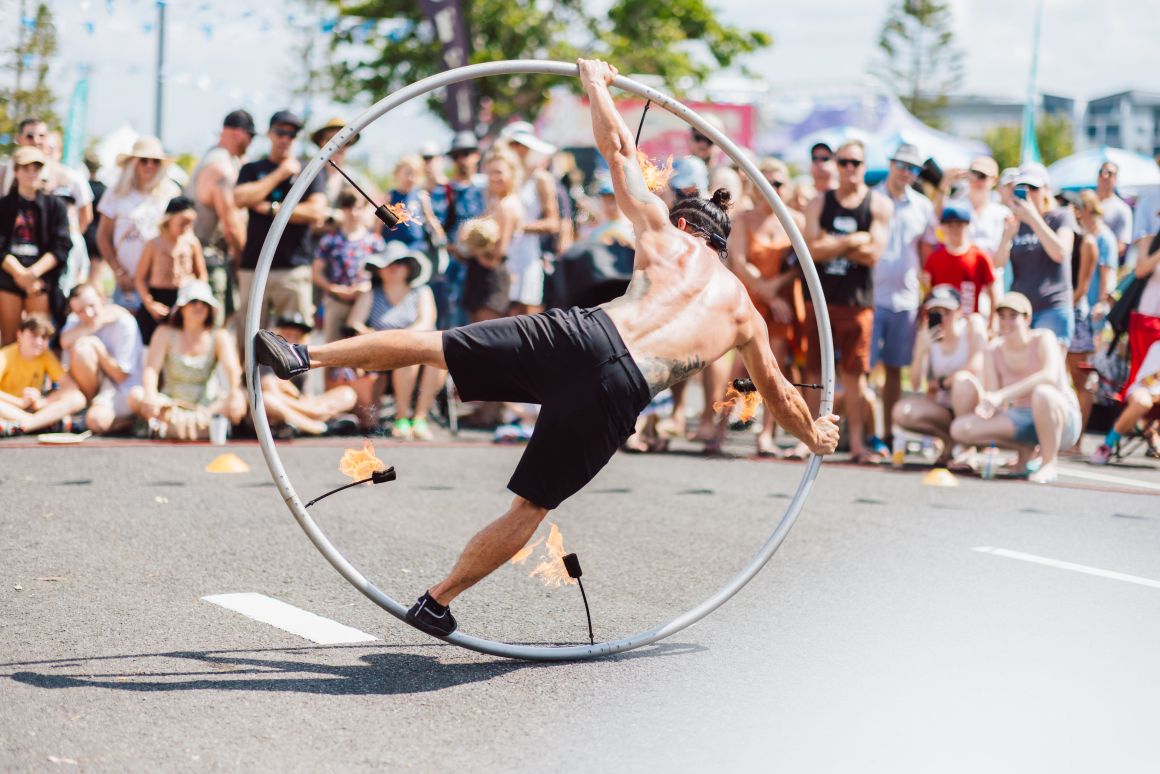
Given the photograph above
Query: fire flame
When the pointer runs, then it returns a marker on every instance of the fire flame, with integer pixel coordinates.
(360, 464)
(656, 178)
(400, 212)
(749, 402)
(551, 570)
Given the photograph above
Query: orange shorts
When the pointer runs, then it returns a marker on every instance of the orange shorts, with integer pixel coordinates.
(852, 327)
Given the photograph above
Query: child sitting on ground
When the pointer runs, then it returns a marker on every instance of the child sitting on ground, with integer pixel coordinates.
(27, 369)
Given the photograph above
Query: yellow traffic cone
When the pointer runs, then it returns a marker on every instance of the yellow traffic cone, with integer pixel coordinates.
(227, 463)
(940, 477)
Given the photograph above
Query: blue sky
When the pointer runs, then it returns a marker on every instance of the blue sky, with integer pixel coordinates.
(243, 56)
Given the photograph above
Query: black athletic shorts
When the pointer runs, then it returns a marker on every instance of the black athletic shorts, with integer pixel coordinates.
(575, 365)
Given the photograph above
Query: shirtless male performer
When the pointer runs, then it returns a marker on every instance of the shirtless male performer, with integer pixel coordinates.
(592, 370)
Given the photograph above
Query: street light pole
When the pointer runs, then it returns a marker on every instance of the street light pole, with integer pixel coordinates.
(159, 101)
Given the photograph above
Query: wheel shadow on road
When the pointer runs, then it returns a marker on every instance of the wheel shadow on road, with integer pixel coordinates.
(379, 673)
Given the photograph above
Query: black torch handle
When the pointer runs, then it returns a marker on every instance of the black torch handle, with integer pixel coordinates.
(381, 212)
(591, 639)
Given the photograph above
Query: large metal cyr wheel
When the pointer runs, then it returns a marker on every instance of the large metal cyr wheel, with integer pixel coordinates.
(282, 480)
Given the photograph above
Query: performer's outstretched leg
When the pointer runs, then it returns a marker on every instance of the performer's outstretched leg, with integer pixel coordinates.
(381, 351)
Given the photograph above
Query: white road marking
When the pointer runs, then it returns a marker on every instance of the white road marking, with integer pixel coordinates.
(1090, 476)
(290, 619)
(1069, 566)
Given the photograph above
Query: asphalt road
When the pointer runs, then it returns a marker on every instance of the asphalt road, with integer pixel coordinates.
(878, 638)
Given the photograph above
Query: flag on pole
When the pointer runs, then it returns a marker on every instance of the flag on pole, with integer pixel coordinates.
(74, 131)
(1029, 144)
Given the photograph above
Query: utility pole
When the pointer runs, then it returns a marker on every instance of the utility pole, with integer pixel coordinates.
(159, 101)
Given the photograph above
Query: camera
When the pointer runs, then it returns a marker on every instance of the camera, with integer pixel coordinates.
(934, 318)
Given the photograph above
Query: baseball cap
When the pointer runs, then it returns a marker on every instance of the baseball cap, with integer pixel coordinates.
(524, 134)
(817, 145)
(28, 154)
(943, 297)
(430, 150)
(464, 141)
(907, 154)
(240, 119)
(1016, 302)
(955, 212)
(1033, 175)
(286, 117)
(985, 165)
(1007, 177)
(690, 172)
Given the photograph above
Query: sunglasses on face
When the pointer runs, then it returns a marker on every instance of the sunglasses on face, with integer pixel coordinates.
(40, 136)
(286, 133)
(148, 162)
(460, 154)
(701, 138)
(820, 159)
(1107, 173)
(904, 167)
(855, 163)
(978, 175)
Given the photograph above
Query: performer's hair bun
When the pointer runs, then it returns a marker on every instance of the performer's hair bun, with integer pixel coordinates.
(722, 199)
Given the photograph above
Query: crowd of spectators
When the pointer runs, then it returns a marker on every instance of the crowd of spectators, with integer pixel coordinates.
(973, 308)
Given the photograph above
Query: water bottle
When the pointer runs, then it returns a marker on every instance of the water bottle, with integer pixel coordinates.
(898, 451)
(990, 456)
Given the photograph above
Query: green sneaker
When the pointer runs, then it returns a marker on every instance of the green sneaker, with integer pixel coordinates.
(402, 430)
(421, 431)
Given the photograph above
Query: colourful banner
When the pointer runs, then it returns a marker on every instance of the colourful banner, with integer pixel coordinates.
(74, 130)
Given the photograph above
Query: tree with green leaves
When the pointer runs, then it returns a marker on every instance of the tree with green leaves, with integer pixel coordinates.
(29, 92)
(638, 36)
(920, 62)
(1054, 133)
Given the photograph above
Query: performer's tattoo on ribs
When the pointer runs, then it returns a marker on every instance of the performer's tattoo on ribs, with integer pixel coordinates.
(664, 372)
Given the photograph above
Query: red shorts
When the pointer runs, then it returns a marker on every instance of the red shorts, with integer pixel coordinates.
(1143, 332)
(852, 327)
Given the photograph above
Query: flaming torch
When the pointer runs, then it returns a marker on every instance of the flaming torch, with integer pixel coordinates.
(390, 214)
(557, 568)
(362, 466)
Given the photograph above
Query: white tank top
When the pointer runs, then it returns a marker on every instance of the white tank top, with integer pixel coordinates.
(525, 248)
(942, 364)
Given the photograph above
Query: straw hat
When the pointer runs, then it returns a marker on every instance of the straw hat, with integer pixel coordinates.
(333, 124)
(144, 147)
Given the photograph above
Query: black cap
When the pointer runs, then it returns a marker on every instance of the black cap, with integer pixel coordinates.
(286, 117)
(240, 119)
(178, 204)
(294, 320)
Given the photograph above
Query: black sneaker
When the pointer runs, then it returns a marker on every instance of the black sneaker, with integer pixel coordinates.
(423, 617)
(284, 358)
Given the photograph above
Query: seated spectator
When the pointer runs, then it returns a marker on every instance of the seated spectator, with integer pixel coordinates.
(34, 246)
(169, 260)
(958, 262)
(399, 300)
(949, 346)
(27, 368)
(1144, 338)
(105, 355)
(1024, 398)
(179, 390)
(339, 263)
(287, 405)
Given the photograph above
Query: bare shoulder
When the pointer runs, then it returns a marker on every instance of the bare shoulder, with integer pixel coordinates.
(880, 204)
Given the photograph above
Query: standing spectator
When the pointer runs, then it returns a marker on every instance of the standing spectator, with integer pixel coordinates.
(169, 260)
(468, 189)
(1117, 214)
(847, 230)
(179, 391)
(56, 177)
(262, 187)
(399, 300)
(27, 370)
(93, 165)
(34, 246)
(1093, 277)
(758, 251)
(960, 263)
(409, 178)
(896, 288)
(487, 289)
(334, 182)
(823, 170)
(948, 346)
(131, 213)
(219, 225)
(1024, 399)
(987, 215)
(339, 263)
(1143, 381)
(105, 357)
(1145, 223)
(1037, 242)
(541, 206)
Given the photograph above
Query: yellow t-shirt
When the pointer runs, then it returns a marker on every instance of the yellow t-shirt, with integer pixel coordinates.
(16, 373)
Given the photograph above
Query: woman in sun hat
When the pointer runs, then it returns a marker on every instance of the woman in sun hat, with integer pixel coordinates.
(131, 213)
(179, 390)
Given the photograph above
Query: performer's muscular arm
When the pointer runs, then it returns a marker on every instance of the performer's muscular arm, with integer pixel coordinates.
(780, 397)
(614, 141)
